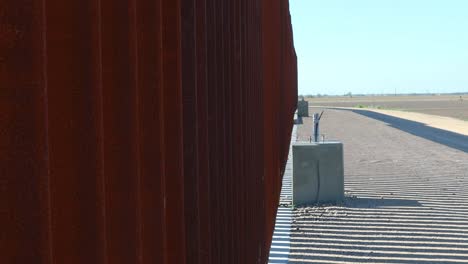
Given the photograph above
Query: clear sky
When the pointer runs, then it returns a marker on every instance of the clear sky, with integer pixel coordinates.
(379, 46)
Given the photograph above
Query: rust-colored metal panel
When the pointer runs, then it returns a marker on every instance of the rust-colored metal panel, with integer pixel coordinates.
(271, 15)
(172, 87)
(190, 132)
(203, 161)
(151, 191)
(73, 131)
(24, 178)
(143, 131)
(120, 130)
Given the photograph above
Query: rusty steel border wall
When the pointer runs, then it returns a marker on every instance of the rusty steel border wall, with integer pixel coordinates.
(143, 131)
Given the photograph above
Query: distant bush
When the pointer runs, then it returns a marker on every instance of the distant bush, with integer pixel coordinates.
(369, 106)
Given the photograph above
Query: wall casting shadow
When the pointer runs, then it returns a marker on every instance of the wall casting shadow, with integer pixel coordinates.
(447, 138)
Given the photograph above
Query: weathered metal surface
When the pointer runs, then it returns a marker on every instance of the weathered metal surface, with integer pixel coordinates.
(143, 131)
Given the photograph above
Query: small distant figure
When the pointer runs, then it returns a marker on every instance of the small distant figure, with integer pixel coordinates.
(461, 98)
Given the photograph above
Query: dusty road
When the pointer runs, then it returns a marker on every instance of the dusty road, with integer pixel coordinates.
(455, 106)
(407, 195)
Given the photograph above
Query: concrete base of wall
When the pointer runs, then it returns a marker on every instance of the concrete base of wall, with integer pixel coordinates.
(302, 108)
(318, 174)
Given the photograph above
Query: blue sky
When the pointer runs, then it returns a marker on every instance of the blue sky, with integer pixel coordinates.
(379, 46)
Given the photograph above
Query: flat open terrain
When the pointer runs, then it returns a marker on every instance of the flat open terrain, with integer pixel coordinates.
(407, 195)
(442, 105)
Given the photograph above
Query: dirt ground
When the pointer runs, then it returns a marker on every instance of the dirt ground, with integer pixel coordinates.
(442, 105)
(440, 122)
(407, 194)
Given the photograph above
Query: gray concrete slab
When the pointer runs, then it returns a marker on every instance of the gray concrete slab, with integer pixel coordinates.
(317, 172)
(303, 108)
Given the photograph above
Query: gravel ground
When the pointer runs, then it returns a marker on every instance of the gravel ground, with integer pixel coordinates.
(407, 199)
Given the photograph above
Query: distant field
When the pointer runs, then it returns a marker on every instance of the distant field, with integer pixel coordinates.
(442, 105)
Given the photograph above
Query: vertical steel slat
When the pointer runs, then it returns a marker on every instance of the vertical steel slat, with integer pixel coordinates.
(174, 198)
(24, 188)
(120, 130)
(236, 134)
(213, 133)
(73, 130)
(151, 193)
(243, 136)
(98, 95)
(272, 88)
(204, 190)
(190, 137)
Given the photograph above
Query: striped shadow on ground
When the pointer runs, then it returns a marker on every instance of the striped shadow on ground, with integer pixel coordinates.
(406, 200)
(280, 246)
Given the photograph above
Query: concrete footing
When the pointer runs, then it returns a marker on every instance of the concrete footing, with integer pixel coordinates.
(318, 174)
(303, 108)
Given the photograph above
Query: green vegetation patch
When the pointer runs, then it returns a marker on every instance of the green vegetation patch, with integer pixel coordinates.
(369, 106)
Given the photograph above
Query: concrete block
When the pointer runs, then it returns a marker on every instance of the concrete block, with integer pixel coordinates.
(303, 108)
(318, 174)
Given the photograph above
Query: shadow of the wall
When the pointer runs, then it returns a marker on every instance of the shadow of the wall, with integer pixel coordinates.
(358, 202)
(375, 203)
(450, 139)
(298, 120)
